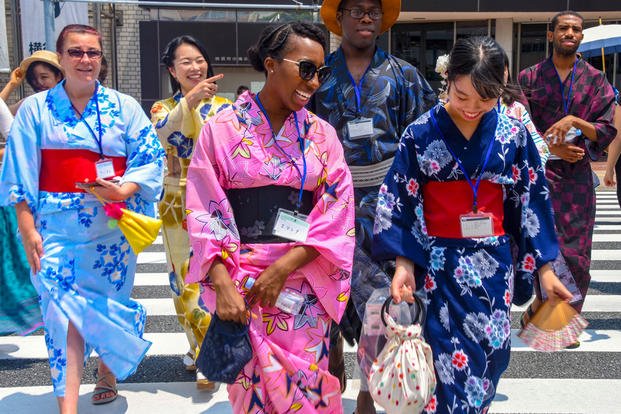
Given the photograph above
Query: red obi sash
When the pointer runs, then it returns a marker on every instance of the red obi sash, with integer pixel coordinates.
(445, 202)
(62, 168)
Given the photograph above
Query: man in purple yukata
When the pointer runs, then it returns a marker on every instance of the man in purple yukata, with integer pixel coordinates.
(572, 103)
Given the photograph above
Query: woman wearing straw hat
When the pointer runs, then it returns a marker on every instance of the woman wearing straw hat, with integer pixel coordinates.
(41, 70)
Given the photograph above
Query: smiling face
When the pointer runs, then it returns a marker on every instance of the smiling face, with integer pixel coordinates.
(292, 91)
(359, 33)
(189, 67)
(43, 77)
(83, 69)
(567, 35)
(465, 103)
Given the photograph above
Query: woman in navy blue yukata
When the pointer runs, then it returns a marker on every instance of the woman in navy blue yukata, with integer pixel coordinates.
(464, 180)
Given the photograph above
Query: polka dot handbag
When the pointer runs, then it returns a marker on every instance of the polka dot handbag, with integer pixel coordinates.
(402, 378)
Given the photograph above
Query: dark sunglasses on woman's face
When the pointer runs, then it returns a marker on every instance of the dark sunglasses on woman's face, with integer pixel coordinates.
(78, 53)
(308, 69)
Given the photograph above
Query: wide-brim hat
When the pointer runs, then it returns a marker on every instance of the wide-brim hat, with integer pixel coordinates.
(46, 56)
(390, 10)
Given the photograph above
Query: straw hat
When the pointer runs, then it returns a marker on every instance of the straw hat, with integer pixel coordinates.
(390, 9)
(46, 56)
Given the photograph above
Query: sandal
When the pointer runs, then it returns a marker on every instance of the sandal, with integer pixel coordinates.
(106, 388)
(188, 362)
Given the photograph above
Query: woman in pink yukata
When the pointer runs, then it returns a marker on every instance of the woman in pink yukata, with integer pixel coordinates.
(267, 163)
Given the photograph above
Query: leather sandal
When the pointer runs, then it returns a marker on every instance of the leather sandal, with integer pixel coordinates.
(102, 388)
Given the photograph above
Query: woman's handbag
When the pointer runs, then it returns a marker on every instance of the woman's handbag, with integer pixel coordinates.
(402, 378)
(139, 230)
(225, 350)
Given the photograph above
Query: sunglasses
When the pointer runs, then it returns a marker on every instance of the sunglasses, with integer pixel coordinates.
(91, 54)
(307, 70)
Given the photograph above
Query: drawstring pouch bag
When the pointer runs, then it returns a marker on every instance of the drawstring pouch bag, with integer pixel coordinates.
(225, 350)
(402, 379)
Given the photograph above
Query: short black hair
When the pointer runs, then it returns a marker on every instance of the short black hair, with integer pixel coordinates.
(168, 57)
(30, 76)
(554, 21)
(482, 58)
(273, 41)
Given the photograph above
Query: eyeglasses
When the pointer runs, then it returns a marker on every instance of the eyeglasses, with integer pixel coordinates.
(91, 54)
(374, 14)
(307, 70)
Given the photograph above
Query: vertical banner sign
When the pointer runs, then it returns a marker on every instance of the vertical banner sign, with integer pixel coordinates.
(4, 49)
(33, 27)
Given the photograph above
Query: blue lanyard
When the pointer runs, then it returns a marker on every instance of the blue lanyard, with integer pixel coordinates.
(357, 91)
(475, 186)
(567, 100)
(99, 139)
(300, 141)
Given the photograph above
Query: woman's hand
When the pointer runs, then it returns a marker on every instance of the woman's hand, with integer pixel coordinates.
(17, 77)
(403, 284)
(550, 283)
(230, 305)
(114, 192)
(33, 246)
(205, 89)
(268, 286)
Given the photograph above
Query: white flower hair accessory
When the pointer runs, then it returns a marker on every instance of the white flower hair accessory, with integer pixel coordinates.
(442, 70)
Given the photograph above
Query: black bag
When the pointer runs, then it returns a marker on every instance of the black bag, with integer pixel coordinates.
(225, 350)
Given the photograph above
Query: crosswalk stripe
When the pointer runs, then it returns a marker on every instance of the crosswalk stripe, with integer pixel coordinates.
(514, 395)
(606, 254)
(174, 343)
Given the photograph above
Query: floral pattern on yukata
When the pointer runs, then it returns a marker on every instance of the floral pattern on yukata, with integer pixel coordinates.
(469, 283)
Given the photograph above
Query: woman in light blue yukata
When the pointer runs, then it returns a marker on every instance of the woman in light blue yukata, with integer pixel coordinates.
(82, 269)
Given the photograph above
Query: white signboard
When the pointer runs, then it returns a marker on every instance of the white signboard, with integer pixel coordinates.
(4, 49)
(33, 26)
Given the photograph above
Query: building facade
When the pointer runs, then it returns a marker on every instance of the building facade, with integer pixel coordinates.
(135, 35)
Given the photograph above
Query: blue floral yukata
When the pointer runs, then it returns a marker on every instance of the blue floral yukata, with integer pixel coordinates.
(468, 282)
(87, 269)
(393, 94)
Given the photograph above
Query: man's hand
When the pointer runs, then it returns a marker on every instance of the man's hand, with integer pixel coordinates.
(556, 133)
(567, 152)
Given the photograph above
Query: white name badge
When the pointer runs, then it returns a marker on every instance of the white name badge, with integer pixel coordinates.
(290, 225)
(360, 128)
(477, 225)
(105, 168)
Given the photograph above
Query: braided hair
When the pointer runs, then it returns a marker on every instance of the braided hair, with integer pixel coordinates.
(274, 40)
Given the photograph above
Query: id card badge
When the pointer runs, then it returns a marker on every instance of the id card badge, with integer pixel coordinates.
(290, 225)
(360, 128)
(105, 168)
(476, 225)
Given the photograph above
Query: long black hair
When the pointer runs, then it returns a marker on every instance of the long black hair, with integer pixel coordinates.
(168, 57)
(273, 41)
(511, 91)
(483, 59)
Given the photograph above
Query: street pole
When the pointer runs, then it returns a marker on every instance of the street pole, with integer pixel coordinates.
(48, 21)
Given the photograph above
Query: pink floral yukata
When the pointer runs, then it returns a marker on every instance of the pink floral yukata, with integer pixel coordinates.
(236, 149)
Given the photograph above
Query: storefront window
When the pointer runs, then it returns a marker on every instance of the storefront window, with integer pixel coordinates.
(472, 28)
(420, 44)
(532, 44)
